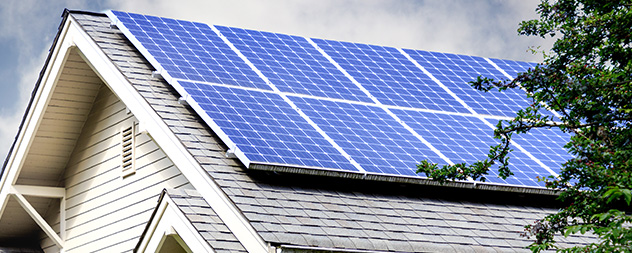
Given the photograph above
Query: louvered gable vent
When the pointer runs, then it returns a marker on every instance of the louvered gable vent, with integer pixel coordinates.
(127, 151)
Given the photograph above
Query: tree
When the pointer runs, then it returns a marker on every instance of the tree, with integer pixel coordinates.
(587, 79)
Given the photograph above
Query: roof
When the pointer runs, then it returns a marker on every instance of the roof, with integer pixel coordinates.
(205, 220)
(315, 212)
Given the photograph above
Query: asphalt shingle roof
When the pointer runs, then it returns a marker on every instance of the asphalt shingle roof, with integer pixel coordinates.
(205, 220)
(319, 211)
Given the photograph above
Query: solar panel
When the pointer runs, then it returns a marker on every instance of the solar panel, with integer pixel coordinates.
(188, 50)
(512, 68)
(455, 71)
(547, 145)
(389, 76)
(264, 127)
(460, 138)
(292, 64)
(468, 139)
(289, 101)
(369, 135)
(525, 170)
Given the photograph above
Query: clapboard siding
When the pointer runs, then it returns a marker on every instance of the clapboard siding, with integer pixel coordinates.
(52, 217)
(100, 192)
(104, 211)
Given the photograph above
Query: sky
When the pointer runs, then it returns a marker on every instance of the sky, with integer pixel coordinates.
(481, 28)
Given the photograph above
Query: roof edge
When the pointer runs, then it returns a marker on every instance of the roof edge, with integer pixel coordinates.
(151, 218)
(292, 248)
(402, 179)
(69, 11)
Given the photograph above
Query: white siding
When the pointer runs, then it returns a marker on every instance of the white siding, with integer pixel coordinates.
(104, 211)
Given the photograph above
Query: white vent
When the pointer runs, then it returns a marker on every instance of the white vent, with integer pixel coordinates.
(127, 151)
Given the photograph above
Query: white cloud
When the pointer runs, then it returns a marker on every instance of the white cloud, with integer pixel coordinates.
(11, 119)
(31, 25)
(467, 27)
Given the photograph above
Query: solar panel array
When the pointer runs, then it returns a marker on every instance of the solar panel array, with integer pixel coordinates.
(389, 76)
(319, 104)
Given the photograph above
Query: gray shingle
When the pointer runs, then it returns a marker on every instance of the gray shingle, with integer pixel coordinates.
(309, 221)
(292, 238)
(342, 242)
(319, 241)
(204, 219)
(401, 246)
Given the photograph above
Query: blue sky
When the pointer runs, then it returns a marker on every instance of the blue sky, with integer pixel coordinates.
(482, 28)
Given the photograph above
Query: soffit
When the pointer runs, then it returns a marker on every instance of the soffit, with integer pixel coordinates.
(60, 126)
(57, 133)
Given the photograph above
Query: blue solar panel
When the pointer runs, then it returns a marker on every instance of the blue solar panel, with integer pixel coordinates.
(293, 65)
(265, 128)
(513, 67)
(389, 76)
(188, 50)
(460, 138)
(369, 135)
(524, 168)
(547, 145)
(218, 79)
(455, 71)
(467, 139)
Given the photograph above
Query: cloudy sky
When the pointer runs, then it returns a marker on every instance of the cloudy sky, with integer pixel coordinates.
(482, 28)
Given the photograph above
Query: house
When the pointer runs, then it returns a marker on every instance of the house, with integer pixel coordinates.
(111, 157)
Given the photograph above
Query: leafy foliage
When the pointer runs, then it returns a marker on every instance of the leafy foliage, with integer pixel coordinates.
(587, 79)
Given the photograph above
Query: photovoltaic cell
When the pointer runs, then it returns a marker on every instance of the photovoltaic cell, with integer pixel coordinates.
(190, 51)
(460, 138)
(369, 135)
(389, 76)
(467, 139)
(456, 71)
(265, 128)
(292, 64)
(525, 170)
(513, 67)
(547, 145)
(268, 130)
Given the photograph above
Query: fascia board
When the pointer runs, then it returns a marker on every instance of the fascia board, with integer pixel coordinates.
(167, 140)
(33, 117)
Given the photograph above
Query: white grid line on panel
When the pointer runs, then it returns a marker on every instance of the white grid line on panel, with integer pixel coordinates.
(287, 100)
(378, 103)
